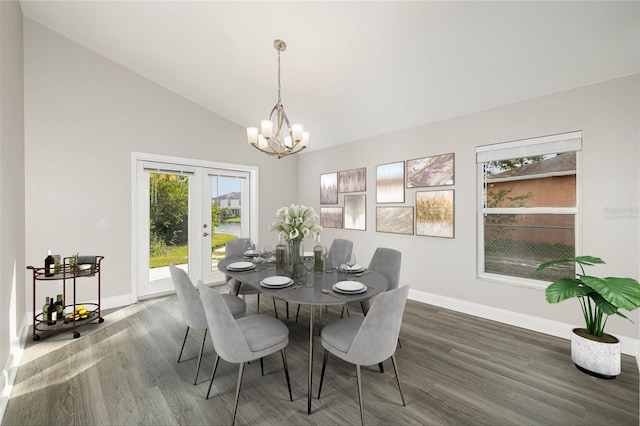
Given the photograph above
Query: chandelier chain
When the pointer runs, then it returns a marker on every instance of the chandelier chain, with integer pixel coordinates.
(279, 99)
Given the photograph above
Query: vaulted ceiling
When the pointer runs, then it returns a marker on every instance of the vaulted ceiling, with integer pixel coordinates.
(353, 70)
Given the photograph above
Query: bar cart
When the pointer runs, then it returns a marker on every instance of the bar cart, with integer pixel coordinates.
(72, 269)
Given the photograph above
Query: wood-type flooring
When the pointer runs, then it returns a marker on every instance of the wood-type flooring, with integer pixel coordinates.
(455, 369)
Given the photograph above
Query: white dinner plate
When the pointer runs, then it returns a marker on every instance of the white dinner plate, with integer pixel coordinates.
(277, 281)
(350, 287)
(353, 270)
(240, 266)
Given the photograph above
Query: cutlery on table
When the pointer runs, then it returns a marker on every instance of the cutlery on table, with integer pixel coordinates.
(293, 287)
(327, 291)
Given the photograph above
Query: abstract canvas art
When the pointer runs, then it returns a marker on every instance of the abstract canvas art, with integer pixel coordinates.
(390, 183)
(355, 212)
(329, 188)
(435, 213)
(331, 217)
(430, 171)
(396, 220)
(354, 180)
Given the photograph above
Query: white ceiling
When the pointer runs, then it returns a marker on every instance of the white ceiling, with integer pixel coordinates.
(353, 70)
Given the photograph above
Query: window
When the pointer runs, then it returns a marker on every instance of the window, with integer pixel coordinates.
(528, 211)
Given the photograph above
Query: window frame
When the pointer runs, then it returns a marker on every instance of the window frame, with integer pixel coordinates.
(565, 142)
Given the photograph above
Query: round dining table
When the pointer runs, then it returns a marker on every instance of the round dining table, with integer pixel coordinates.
(314, 289)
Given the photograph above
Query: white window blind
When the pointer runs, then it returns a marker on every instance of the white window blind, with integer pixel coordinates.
(564, 142)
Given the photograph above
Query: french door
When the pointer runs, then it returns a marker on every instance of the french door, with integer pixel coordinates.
(184, 213)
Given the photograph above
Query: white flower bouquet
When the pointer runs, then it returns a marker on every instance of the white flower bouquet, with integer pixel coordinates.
(294, 223)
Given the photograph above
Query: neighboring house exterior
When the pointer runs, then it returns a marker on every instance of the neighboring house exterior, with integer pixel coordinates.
(546, 183)
(230, 201)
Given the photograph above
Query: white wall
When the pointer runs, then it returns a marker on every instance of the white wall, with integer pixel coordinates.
(444, 270)
(84, 116)
(12, 268)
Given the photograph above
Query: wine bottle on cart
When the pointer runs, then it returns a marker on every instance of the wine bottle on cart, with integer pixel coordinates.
(59, 307)
(49, 265)
(45, 311)
(51, 312)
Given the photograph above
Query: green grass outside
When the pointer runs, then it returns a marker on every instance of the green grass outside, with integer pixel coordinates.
(233, 220)
(178, 254)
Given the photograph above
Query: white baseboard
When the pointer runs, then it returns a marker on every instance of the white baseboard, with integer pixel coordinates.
(628, 345)
(10, 369)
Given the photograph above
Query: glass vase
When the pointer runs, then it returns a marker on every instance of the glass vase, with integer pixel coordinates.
(294, 266)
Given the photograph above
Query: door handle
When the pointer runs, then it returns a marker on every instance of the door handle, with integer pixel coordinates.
(206, 234)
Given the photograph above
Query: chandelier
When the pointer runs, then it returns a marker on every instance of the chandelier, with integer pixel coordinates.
(273, 139)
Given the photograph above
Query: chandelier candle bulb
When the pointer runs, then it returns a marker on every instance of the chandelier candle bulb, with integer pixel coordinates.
(296, 132)
(262, 142)
(267, 128)
(305, 139)
(287, 141)
(252, 135)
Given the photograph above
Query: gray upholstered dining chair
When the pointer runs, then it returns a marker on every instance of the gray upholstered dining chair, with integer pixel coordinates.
(367, 340)
(242, 340)
(386, 262)
(338, 253)
(192, 311)
(236, 248)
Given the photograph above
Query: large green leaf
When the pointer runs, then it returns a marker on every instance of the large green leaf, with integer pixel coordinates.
(565, 288)
(622, 293)
(582, 260)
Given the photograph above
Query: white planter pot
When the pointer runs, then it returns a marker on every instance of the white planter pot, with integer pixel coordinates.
(600, 359)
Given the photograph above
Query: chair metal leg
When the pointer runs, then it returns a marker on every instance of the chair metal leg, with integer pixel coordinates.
(359, 377)
(235, 405)
(261, 367)
(275, 308)
(381, 367)
(342, 312)
(320, 322)
(286, 372)
(258, 307)
(183, 342)
(324, 366)
(286, 304)
(399, 344)
(395, 368)
(297, 313)
(204, 337)
(213, 374)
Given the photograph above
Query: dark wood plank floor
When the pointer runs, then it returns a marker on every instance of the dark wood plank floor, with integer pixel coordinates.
(454, 368)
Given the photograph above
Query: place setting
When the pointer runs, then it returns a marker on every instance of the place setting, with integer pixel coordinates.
(241, 266)
(277, 282)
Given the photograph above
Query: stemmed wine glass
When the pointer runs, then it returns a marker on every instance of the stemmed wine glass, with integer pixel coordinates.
(350, 262)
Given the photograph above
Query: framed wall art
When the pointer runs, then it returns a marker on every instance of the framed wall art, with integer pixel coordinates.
(354, 180)
(396, 220)
(355, 212)
(435, 213)
(329, 188)
(390, 183)
(331, 217)
(430, 171)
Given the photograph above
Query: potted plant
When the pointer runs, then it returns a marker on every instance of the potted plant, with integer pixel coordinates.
(592, 350)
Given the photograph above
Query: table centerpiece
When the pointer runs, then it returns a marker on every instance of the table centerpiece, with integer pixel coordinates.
(293, 224)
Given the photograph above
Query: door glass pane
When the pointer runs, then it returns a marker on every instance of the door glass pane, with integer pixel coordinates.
(168, 224)
(226, 214)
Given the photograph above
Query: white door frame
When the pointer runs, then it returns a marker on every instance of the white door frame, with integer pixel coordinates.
(139, 243)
